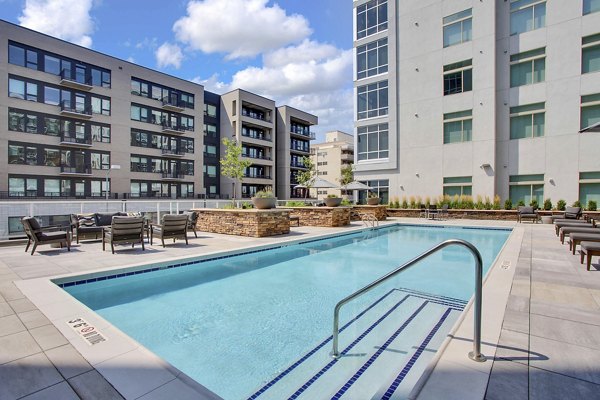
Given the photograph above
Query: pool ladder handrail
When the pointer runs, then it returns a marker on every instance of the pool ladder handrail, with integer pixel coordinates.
(474, 355)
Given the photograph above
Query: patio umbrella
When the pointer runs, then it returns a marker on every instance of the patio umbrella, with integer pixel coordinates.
(320, 183)
(356, 185)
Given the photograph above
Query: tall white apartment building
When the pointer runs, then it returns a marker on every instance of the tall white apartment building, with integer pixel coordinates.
(329, 157)
(478, 97)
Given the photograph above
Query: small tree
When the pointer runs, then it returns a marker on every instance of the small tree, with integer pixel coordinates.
(306, 178)
(232, 165)
(347, 173)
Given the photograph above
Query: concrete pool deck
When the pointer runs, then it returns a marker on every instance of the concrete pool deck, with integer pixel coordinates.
(548, 326)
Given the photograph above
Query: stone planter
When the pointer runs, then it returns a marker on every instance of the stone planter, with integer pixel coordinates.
(333, 201)
(373, 201)
(264, 203)
(546, 219)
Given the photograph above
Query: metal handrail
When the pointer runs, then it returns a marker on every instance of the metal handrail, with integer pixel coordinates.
(476, 353)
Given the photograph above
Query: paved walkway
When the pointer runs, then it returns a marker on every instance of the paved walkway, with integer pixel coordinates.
(550, 341)
(549, 347)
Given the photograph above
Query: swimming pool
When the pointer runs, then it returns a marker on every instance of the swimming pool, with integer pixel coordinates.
(257, 325)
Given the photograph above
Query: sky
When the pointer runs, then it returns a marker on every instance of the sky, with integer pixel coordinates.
(297, 52)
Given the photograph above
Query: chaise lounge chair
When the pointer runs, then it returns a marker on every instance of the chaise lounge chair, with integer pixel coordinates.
(589, 249)
(567, 230)
(571, 222)
(173, 226)
(43, 235)
(577, 237)
(124, 230)
(527, 212)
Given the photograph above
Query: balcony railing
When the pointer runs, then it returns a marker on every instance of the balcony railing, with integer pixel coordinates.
(257, 176)
(258, 137)
(257, 157)
(173, 128)
(173, 152)
(173, 104)
(255, 115)
(297, 165)
(69, 140)
(79, 81)
(304, 149)
(172, 175)
(78, 112)
(85, 170)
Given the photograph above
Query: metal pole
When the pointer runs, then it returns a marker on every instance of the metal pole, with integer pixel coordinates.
(476, 353)
(106, 189)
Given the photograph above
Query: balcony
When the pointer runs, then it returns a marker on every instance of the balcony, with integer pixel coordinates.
(301, 149)
(347, 157)
(78, 82)
(297, 165)
(173, 153)
(172, 104)
(179, 129)
(255, 114)
(257, 157)
(67, 139)
(75, 112)
(258, 137)
(257, 176)
(173, 176)
(83, 170)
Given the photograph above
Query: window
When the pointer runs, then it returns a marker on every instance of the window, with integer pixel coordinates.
(139, 88)
(100, 161)
(527, 15)
(458, 77)
(458, 185)
(379, 187)
(591, 6)
(373, 142)
(589, 187)
(22, 90)
(210, 130)
(458, 127)
(372, 100)
(526, 188)
(590, 110)
(322, 173)
(51, 65)
(527, 121)
(16, 154)
(372, 59)
(16, 121)
(100, 106)
(457, 28)
(16, 55)
(100, 133)
(22, 186)
(210, 171)
(51, 96)
(371, 18)
(51, 157)
(139, 113)
(590, 54)
(210, 150)
(210, 110)
(528, 67)
(51, 126)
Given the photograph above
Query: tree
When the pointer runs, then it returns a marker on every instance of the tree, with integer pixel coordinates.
(347, 176)
(232, 165)
(306, 178)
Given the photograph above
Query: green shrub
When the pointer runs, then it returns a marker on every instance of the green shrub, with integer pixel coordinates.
(479, 203)
(298, 203)
(561, 205)
(412, 202)
(246, 205)
(547, 204)
(345, 202)
(496, 205)
(332, 196)
(508, 204)
(404, 202)
(592, 205)
(264, 194)
(487, 204)
(576, 203)
(533, 203)
(521, 203)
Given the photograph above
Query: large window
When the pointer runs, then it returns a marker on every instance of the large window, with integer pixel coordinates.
(590, 110)
(210, 110)
(527, 121)
(143, 88)
(527, 15)
(159, 117)
(458, 28)
(458, 127)
(371, 18)
(372, 59)
(22, 187)
(458, 185)
(589, 187)
(526, 188)
(591, 6)
(23, 90)
(373, 142)
(528, 67)
(372, 100)
(379, 187)
(590, 54)
(458, 77)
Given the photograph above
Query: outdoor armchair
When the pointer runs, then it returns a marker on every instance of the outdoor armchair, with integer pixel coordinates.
(527, 212)
(173, 226)
(123, 230)
(37, 234)
(192, 221)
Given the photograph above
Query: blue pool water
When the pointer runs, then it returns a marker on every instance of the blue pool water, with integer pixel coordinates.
(234, 323)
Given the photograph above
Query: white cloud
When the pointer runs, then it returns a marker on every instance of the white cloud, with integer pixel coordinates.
(240, 28)
(169, 54)
(65, 19)
(311, 76)
(131, 59)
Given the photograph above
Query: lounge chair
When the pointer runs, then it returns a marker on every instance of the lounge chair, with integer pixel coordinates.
(443, 214)
(578, 237)
(192, 221)
(527, 212)
(589, 249)
(574, 222)
(567, 230)
(423, 212)
(432, 212)
(124, 230)
(572, 213)
(37, 234)
(173, 226)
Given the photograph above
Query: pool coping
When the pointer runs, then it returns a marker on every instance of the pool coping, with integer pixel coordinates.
(60, 307)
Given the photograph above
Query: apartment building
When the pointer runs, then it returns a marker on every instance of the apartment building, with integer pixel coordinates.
(479, 98)
(293, 144)
(330, 157)
(77, 123)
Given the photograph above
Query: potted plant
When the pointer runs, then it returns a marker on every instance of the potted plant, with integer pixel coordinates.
(264, 199)
(373, 199)
(332, 200)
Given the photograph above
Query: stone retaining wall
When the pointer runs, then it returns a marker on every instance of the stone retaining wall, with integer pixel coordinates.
(378, 211)
(322, 216)
(254, 223)
(505, 215)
